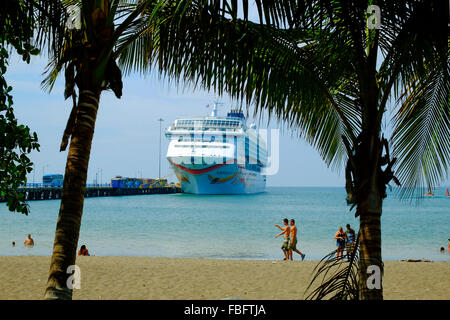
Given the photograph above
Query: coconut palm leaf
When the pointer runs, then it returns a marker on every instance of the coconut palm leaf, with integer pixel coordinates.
(422, 132)
(338, 278)
(259, 64)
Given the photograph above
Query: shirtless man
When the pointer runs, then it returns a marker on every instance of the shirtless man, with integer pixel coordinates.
(286, 231)
(293, 243)
(340, 237)
(29, 242)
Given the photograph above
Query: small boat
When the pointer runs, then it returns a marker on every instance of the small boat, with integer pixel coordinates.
(429, 194)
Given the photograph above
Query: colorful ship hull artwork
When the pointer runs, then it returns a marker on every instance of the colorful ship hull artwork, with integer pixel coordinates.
(214, 180)
(182, 178)
(217, 155)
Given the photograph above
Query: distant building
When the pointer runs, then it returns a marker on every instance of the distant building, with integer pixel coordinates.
(53, 180)
(126, 182)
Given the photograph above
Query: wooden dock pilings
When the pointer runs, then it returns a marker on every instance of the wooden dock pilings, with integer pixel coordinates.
(52, 193)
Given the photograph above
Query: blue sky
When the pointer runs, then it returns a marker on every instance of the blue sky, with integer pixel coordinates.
(126, 139)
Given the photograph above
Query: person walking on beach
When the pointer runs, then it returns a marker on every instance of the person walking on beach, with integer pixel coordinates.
(29, 242)
(351, 239)
(293, 242)
(286, 231)
(340, 242)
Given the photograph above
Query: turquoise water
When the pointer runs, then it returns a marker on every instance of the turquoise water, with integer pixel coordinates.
(236, 227)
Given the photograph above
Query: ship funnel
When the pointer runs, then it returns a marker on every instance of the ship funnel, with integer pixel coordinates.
(214, 109)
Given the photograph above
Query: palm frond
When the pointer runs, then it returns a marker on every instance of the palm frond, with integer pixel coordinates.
(338, 278)
(274, 69)
(410, 35)
(50, 17)
(422, 132)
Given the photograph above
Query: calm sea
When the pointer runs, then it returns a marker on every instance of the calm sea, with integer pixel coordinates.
(235, 227)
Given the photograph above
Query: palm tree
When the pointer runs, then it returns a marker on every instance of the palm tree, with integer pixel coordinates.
(323, 69)
(86, 52)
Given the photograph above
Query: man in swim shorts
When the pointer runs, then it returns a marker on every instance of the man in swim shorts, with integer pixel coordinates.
(293, 241)
(286, 231)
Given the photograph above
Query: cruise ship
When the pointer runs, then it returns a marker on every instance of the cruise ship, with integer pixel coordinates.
(217, 154)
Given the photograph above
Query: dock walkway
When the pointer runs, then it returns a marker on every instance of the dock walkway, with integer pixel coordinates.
(51, 193)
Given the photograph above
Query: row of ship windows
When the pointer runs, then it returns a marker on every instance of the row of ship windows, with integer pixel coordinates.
(208, 122)
(206, 128)
(202, 146)
(208, 146)
(251, 153)
(252, 150)
(212, 139)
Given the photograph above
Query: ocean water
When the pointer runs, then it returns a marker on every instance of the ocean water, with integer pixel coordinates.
(233, 227)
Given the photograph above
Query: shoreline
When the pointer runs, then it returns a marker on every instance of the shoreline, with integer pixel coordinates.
(142, 278)
(231, 259)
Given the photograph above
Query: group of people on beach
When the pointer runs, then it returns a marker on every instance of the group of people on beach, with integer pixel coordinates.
(290, 239)
(344, 240)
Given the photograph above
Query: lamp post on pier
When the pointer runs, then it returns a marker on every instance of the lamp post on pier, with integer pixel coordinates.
(159, 172)
(43, 172)
(99, 170)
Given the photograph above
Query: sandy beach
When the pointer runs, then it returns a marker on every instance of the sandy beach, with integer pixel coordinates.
(24, 277)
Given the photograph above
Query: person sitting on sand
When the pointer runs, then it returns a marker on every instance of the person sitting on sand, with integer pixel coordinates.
(293, 243)
(83, 251)
(286, 231)
(29, 242)
(340, 237)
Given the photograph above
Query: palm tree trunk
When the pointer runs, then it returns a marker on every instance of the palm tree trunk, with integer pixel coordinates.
(71, 210)
(371, 265)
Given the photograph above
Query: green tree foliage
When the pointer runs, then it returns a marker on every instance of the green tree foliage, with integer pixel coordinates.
(16, 140)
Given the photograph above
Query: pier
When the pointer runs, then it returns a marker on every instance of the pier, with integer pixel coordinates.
(52, 193)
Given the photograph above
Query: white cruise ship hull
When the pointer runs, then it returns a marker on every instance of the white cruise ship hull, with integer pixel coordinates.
(219, 179)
